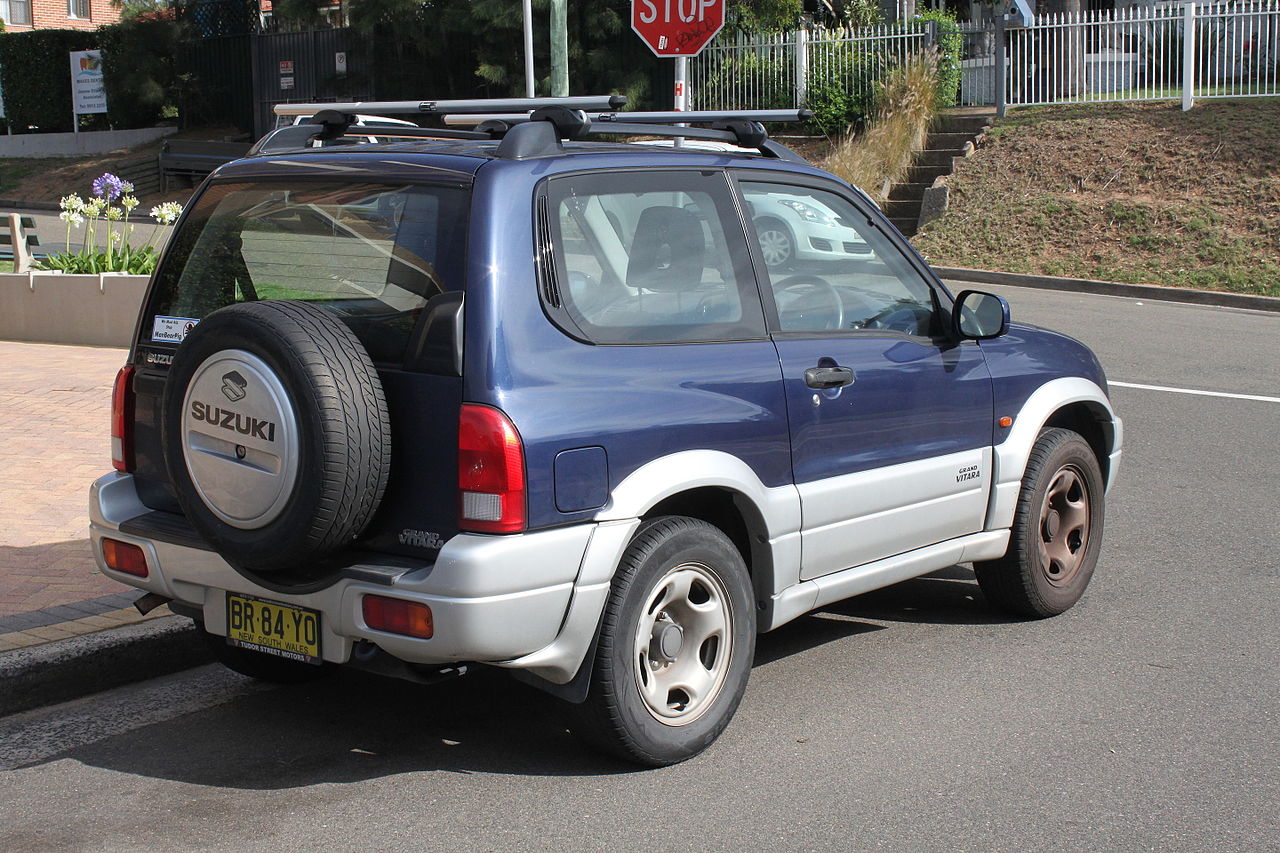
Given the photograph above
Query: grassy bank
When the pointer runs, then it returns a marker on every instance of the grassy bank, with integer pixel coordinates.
(1140, 193)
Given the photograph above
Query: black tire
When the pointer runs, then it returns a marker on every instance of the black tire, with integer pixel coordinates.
(672, 724)
(1057, 530)
(261, 666)
(779, 252)
(328, 392)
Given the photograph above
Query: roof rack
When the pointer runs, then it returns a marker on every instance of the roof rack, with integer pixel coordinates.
(473, 105)
(335, 125)
(528, 127)
(538, 134)
(664, 117)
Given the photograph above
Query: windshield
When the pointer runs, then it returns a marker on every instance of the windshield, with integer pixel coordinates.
(371, 254)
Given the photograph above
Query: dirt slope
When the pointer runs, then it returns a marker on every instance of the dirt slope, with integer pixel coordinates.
(1123, 192)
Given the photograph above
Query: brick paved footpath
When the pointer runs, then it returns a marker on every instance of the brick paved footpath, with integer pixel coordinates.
(55, 439)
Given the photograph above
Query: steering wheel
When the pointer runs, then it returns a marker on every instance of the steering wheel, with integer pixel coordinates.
(910, 319)
(803, 299)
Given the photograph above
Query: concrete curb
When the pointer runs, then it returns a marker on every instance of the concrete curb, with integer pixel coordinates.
(68, 669)
(1112, 288)
(15, 204)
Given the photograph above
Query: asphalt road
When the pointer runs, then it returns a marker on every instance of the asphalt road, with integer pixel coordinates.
(910, 719)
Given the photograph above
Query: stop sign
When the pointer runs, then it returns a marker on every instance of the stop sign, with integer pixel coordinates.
(677, 27)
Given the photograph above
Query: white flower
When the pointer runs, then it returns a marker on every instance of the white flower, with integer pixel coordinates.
(166, 213)
(114, 214)
(71, 217)
(126, 187)
(71, 203)
(129, 203)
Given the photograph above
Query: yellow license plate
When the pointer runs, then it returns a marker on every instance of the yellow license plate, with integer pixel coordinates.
(274, 628)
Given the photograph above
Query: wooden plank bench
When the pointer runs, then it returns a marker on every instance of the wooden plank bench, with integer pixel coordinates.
(18, 239)
(192, 160)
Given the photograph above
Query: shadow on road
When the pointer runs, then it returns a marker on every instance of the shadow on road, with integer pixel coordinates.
(950, 596)
(354, 727)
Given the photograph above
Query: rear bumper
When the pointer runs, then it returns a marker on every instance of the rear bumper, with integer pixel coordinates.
(492, 598)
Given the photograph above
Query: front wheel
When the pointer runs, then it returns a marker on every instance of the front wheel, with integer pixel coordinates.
(777, 245)
(676, 645)
(1057, 530)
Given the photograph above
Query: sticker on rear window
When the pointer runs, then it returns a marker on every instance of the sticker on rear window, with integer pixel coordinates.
(172, 330)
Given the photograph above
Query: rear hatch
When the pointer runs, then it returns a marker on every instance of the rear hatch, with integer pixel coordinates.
(382, 256)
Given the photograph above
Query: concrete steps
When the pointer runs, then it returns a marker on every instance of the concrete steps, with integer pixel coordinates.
(907, 192)
(916, 200)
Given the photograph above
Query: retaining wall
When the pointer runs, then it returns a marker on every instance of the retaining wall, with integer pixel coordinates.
(77, 144)
(92, 310)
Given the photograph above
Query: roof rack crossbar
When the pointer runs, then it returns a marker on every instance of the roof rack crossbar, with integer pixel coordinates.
(453, 107)
(295, 136)
(665, 117)
(539, 134)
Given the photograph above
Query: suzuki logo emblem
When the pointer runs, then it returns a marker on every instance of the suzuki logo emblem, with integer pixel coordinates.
(233, 385)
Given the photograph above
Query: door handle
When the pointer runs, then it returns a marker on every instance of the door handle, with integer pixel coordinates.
(828, 377)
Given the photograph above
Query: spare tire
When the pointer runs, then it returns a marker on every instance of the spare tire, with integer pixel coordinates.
(275, 435)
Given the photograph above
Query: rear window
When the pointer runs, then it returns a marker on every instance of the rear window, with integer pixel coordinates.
(371, 254)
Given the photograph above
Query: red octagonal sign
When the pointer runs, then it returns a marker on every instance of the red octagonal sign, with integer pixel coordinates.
(677, 27)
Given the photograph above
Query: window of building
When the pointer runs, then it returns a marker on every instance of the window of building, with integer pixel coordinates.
(16, 12)
(78, 8)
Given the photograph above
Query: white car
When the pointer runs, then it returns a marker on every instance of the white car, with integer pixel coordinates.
(794, 229)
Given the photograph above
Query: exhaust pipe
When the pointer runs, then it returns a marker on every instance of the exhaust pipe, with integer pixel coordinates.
(150, 601)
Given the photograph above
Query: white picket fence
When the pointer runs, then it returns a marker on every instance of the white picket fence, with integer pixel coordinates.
(775, 72)
(1171, 51)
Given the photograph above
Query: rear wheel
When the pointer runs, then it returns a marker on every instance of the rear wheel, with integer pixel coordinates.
(675, 647)
(1057, 530)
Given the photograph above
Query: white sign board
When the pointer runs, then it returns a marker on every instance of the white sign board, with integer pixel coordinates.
(88, 94)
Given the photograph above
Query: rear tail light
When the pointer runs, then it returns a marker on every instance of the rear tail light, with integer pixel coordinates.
(124, 557)
(491, 484)
(122, 420)
(397, 616)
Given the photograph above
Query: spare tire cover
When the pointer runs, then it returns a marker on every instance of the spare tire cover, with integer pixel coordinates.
(275, 434)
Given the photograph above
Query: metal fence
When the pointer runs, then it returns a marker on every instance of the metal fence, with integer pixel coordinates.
(1171, 51)
(777, 72)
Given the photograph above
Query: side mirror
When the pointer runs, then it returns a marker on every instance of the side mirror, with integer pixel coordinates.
(978, 316)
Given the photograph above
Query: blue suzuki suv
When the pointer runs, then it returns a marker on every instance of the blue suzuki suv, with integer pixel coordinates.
(519, 396)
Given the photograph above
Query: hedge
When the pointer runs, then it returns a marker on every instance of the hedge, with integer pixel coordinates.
(35, 74)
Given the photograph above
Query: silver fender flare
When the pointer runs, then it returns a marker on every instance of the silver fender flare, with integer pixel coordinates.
(616, 523)
(1010, 458)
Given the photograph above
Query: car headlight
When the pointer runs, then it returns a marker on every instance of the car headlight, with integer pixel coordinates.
(807, 212)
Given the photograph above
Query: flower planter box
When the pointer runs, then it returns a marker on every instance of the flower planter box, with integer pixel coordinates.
(50, 307)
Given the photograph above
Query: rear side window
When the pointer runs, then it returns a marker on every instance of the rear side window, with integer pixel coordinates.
(371, 254)
(647, 258)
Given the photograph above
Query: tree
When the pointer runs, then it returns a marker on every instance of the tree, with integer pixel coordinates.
(140, 9)
(845, 13)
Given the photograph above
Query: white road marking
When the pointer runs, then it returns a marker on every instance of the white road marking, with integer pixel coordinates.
(1257, 397)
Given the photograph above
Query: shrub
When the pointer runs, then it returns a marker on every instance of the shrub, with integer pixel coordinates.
(906, 103)
(138, 70)
(950, 52)
(841, 86)
(35, 76)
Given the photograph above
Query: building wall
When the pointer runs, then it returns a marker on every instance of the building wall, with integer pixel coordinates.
(55, 14)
